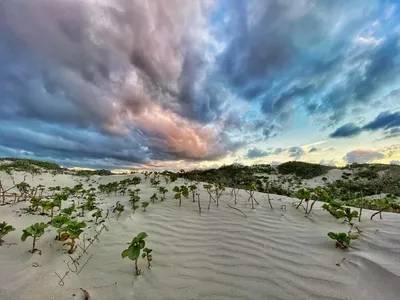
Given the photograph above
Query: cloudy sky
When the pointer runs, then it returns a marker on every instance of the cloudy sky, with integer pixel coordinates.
(197, 83)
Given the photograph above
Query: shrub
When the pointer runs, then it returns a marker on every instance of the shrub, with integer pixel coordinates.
(35, 231)
(118, 208)
(144, 205)
(181, 191)
(342, 239)
(71, 231)
(58, 222)
(134, 250)
(162, 190)
(302, 169)
(4, 230)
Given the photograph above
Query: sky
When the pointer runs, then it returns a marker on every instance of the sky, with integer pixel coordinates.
(200, 83)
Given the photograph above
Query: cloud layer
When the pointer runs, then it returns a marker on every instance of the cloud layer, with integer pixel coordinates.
(122, 82)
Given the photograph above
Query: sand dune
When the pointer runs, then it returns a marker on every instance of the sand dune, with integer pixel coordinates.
(270, 254)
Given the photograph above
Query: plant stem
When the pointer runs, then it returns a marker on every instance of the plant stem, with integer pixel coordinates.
(33, 244)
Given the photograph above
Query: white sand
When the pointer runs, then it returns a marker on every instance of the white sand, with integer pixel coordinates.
(219, 255)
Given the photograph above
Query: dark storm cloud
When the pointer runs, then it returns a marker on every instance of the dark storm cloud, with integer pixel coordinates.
(125, 71)
(387, 121)
(346, 130)
(318, 55)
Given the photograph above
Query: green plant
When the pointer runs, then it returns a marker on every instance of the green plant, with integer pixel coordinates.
(162, 190)
(153, 198)
(193, 189)
(382, 205)
(35, 231)
(181, 191)
(134, 199)
(251, 188)
(304, 195)
(149, 257)
(47, 205)
(342, 239)
(134, 249)
(118, 208)
(218, 190)
(97, 215)
(71, 231)
(208, 188)
(144, 205)
(68, 210)
(58, 222)
(5, 229)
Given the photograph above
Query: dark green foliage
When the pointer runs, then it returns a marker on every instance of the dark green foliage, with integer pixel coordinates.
(118, 208)
(134, 250)
(342, 239)
(4, 230)
(148, 256)
(35, 231)
(302, 169)
(28, 165)
(93, 172)
(181, 191)
(71, 231)
(144, 205)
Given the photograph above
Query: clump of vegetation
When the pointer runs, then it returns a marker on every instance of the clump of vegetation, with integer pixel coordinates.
(250, 190)
(4, 230)
(71, 231)
(382, 205)
(302, 169)
(148, 256)
(153, 198)
(97, 215)
(340, 212)
(192, 189)
(35, 231)
(144, 205)
(118, 208)
(27, 165)
(134, 199)
(58, 222)
(162, 190)
(134, 250)
(342, 239)
(181, 191)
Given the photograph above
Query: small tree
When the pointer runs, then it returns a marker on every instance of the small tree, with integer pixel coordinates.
(118, 208)
(4, 230)
(35, 231)
(208, 188)
(218, 190)
(382, 205)
(134, 249)
(144, 205)
(193, 189)
(162, 191)
(304, 195)
(134, 199)
(153, 198)
(181, 191)
(251, 188)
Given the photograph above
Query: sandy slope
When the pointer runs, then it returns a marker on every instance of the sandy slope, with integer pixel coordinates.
(221, 254)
